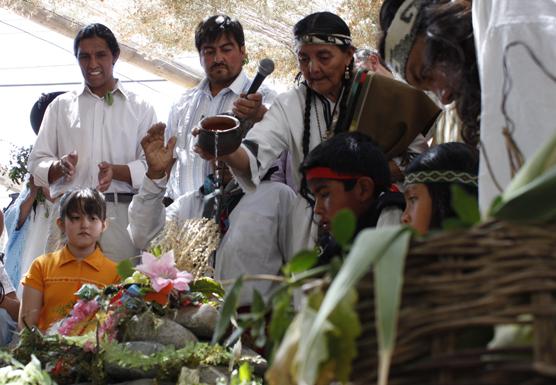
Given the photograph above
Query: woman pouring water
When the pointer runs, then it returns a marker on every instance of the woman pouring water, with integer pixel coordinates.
(301, 118)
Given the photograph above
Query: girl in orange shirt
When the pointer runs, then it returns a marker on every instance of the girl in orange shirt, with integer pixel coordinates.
(52, 279)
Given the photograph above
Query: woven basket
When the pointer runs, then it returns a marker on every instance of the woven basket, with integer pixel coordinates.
(457, 285)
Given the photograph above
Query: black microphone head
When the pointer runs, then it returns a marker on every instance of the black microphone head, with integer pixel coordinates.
(266, 66)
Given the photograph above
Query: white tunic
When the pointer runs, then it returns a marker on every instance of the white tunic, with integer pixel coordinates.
(282, 129)
(532, 97)
(83, 122)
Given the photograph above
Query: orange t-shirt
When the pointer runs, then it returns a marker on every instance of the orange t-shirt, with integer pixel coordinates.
(59, 275)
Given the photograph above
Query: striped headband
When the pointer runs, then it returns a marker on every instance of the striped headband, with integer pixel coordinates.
(400, 36)
(323, 38)
(441, 177)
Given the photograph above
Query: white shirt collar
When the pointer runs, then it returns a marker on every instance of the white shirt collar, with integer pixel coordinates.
(119, 87)
(237, 86)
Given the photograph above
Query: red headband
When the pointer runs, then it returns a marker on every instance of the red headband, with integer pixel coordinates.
(328, 173)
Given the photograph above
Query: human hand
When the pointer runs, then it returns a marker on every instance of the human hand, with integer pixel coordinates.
(105, 175)
(67, 165)
(159, 157)
(249, 107)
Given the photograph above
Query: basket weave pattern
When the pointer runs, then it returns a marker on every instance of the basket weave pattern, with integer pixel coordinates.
(457, 283)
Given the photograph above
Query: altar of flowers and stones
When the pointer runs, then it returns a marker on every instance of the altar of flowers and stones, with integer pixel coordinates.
(152, 324)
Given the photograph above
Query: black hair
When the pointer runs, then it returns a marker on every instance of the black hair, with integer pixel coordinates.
(97, 30)
(447, 28)
(348, 153)
(86, 201)
(213, 27)
(325, 23)
(39, 108)
(446, 157)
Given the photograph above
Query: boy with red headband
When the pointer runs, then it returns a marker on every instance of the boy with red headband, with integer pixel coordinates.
(349, 172)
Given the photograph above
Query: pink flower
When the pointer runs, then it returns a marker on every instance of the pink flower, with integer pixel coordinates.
(162, 271)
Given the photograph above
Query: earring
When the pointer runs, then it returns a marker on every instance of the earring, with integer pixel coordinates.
(245, 61)
(346, 73)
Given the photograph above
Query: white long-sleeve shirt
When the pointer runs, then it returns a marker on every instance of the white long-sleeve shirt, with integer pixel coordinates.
(190, 169)
(256, 240)
(84, 122)
(532, 97)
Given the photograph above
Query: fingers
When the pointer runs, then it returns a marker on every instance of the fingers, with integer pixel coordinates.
(157, 129)
(202, 153)
(195, 131)
(171, 144)
(248, 105)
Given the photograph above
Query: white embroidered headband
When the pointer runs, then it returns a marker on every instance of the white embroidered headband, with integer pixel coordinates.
(441, 177)
(322, 38)
(400, 36)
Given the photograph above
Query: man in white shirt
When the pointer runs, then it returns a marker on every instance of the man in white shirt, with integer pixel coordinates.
(221, 45)
(91, 137)
(255, 239)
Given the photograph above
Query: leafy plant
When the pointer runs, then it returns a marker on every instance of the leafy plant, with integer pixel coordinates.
(18, 163)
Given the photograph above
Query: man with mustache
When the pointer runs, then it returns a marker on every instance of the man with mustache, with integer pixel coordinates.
(91, 137)
(221, 45)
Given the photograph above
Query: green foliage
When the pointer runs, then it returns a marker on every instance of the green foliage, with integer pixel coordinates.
(18, 163)
(169, 361)
(231, 301)
(343, 227)
(530, 195)
(208, 287)
(465, 205)
(13, 372)
(386, 249)
(125, 269)
(302, 261)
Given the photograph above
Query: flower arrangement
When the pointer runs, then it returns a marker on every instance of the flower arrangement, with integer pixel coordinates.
(155, 285)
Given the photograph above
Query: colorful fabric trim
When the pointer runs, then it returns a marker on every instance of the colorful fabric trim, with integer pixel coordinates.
(328, 173)
(441, 177)
(400, 36)
(319, 38)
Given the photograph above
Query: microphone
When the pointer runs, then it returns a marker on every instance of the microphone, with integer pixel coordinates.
(266, 66)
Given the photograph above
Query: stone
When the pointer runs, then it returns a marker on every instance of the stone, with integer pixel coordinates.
(148, 327)
(201, 320)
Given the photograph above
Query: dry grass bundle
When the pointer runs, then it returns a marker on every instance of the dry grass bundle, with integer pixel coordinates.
(194, 241)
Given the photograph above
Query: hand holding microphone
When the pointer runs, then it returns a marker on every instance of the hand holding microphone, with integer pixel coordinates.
(249, 106)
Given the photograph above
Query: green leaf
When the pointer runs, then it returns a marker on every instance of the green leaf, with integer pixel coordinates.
(343, 227)
(282, 315)
(465, 205)
(257, 304)
(231, 301)
(207, 286)
(302, 261)
(156, 251)
(342, 343)
(109, 98)
(309, 361)
(245, 373)
(385, 244)
(533, 202)
(125, 268)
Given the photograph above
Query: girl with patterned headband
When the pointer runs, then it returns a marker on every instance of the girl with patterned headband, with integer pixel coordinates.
(428, 179)
(429, 44)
